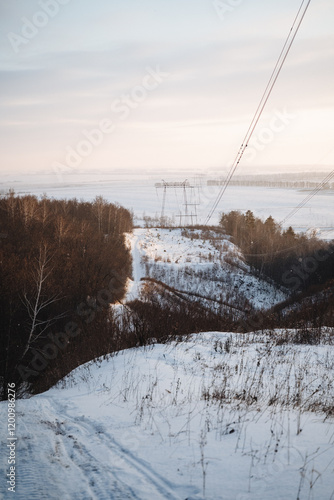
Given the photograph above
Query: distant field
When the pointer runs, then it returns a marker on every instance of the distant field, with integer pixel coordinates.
(139, 193)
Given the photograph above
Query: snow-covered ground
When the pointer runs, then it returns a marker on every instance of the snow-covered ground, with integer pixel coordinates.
(219, 416)
(203, 263)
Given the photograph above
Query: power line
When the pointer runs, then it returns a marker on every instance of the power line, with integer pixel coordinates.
(273, 78)
(314, 191)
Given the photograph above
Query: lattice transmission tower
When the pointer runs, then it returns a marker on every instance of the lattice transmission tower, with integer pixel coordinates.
(188, 215)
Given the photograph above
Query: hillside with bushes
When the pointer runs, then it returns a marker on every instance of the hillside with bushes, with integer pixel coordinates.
(294, 260)
(61, 263)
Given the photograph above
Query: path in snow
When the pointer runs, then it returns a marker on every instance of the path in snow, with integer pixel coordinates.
(64, 454)
(134, 285)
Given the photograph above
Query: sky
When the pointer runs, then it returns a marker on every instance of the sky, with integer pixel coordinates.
(116, 85)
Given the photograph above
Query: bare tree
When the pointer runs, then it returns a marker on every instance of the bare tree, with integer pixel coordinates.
(11, 203)
(28, 207)
(61, 227)
(98, 208)
(44, 210)
(38, 301)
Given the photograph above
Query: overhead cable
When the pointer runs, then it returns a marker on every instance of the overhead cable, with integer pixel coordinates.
(273, 78)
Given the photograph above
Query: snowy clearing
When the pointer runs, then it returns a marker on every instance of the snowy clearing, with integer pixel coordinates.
(198, 262)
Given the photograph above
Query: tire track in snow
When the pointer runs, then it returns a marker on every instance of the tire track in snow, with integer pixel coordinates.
(51, 464)
(97, 453)
(88, 458)
(122, 463)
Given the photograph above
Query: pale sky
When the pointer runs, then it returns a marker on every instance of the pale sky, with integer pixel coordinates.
(170, 83)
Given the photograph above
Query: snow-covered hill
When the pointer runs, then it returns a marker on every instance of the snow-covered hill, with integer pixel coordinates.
(218, 416)
(200, 263)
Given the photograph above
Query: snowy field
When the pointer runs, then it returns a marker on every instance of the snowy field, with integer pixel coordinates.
(138, 192)
(218, 416)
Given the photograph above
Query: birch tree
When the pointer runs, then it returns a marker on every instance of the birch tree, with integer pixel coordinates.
(98, 206)
(38, 301)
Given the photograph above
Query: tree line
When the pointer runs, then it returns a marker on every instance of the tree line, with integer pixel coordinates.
(293, 260)
(273, 183)
(62, 262)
